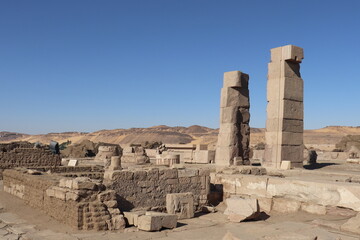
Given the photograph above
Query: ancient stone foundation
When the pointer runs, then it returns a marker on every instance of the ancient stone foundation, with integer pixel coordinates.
(25, 155)
(234, 134)
(144, 189)
(285, 109)
(81, 202)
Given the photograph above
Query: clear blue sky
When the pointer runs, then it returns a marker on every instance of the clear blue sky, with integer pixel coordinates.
(90, 65)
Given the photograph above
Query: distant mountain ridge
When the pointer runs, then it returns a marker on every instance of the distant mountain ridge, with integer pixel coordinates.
(323, 138)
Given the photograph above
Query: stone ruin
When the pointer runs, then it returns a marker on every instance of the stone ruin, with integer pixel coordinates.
(105, 153)
(130, 191)
(354, 155)
(234, 134)
(134, 155)
(285, 109)
(25, 154)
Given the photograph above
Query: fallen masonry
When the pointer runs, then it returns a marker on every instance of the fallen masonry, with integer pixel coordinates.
(156, 189)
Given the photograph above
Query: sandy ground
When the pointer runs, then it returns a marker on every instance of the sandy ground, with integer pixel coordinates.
(19, 221)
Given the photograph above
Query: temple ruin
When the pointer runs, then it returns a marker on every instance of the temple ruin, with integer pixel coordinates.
(285, 109)
(234, 134)
(155, 189)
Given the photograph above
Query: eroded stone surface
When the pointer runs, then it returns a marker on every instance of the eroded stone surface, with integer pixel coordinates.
(285, 110)
(234, 133)
(181, 204)
(240, 209)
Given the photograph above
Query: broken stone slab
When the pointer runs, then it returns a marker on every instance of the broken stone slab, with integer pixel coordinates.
(168, 220)
(181, 204)
(153, 221)
(83, 183)
(116, 222)
(282, 205)
(132, 217)
(240, 209)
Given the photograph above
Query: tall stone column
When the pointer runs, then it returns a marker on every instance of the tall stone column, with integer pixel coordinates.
(234, 133)
(285, 109)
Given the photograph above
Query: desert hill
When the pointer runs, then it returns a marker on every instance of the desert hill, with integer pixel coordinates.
(324, 138)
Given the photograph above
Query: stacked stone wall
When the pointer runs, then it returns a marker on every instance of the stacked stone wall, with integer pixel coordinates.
(148, 188)
(234, 133)
(78, 202)
(27, 157)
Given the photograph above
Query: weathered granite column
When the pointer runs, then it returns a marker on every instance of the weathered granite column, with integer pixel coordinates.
(234, 133)
(285, 109)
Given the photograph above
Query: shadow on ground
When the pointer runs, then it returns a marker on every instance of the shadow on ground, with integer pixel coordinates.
(318, 165)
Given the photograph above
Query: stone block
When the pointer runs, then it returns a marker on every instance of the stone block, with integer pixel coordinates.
(229, 128)
(49, 192)
(230, 114)
(66, 182)
(236, 79)
(149, 223)
(286, 138)
(132, 217)
(287, 53)
(181, 204)
(292, 153)
(60, 193)
(240, 209)
(73, 163)
(231, 97)
(285, 125)
(285, 165)
(285, 205)
(117, 222)
(287, 109)
(188, 172)
(204, 156)
(285, 88)
(225, 155)
(168, 220)
(292, 53)
(111, 204)
(72, 195)
(154, 221)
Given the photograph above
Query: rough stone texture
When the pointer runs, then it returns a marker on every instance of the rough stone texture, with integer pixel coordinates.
(168, 159)
(352, 225)
(14, 155)
(234, 133)
(135, 155)
(132, 217)
(78, 202)
(181, 204)
(284, 124)
(148, 188)
(106, 152)
(317, 192)
(285, 205)
(240, 209)
(154, 221)
(313, 208)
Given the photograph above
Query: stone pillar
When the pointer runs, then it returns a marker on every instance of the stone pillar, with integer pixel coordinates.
(115, 163)
(234, 133)
(285, 109)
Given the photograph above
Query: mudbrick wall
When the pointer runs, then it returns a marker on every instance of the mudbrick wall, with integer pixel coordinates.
(27, 157)
(148, 188)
